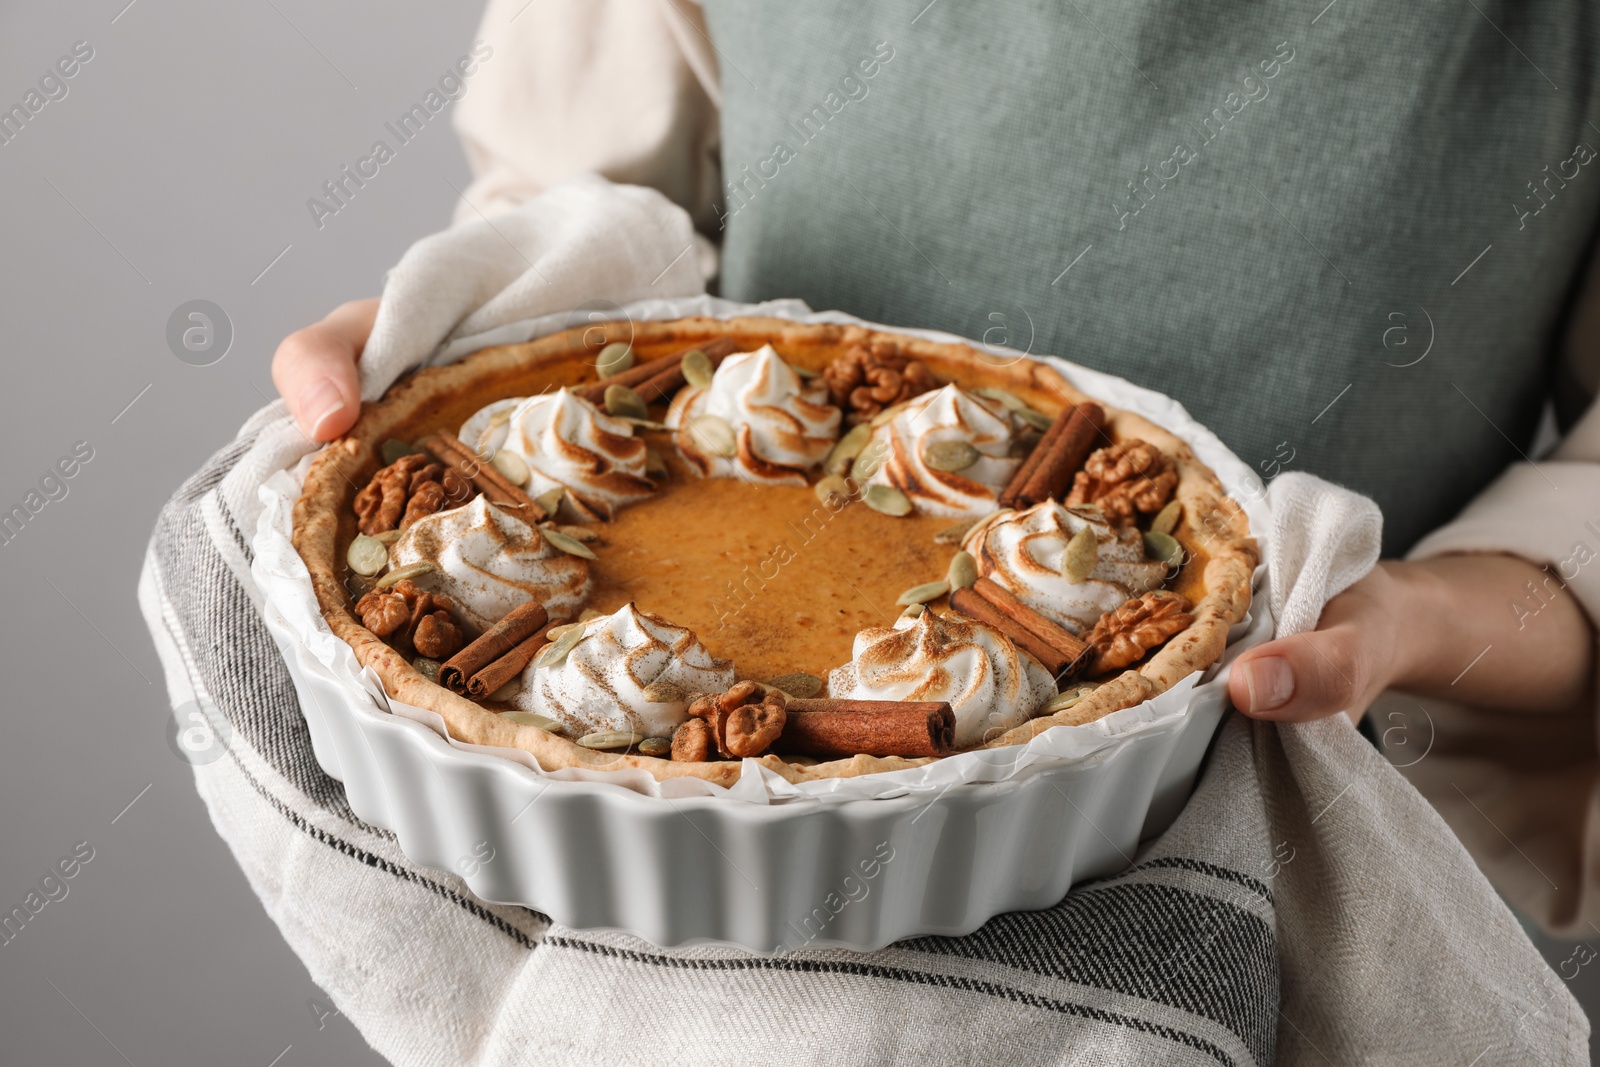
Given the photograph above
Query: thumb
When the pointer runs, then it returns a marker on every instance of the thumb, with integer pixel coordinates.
(315, 370)
(1308, 676)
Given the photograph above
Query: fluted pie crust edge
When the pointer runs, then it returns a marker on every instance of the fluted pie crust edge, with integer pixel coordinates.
(1213, 528)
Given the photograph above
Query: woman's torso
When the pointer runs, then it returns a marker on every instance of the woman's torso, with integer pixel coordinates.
(1265, 212)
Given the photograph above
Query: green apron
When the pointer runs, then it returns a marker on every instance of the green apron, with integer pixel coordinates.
(1345, 241)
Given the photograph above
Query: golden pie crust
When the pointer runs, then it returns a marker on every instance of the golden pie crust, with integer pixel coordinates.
(1216, 578)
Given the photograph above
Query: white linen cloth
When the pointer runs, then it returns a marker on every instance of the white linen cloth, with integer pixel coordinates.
(1308, 906)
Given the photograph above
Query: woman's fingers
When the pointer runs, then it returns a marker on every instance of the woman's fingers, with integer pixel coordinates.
(1341, 666)
(1307, 676)
(316, 374)
(315, 370)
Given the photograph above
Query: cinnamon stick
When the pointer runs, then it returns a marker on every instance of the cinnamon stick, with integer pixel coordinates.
(1059, 453)
(1046, 629)
(482, 686)
(635, 377)
(837, 727)
(973, 605)
(444, 447)
(661, 386)
(519, 623)
(1024, 471)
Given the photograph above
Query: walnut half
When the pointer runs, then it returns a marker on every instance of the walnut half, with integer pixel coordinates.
(413, 619)
(868, 378)
(1124, 635)
(1125, 480)
(744, 721)
(406, 490)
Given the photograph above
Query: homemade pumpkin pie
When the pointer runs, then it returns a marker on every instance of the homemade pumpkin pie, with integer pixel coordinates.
(673, 546)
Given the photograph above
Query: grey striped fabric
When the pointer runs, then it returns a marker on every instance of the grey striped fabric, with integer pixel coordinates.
(1241, 936)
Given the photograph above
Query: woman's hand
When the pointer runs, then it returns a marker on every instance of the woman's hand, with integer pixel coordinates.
(315, 369)
(1443, 627)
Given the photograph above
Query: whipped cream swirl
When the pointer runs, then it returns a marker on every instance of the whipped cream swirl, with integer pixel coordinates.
(1022, 551)
(991, 684)
(490, 561)
(602, 683)
(948, 414)
(782, 425)
(567, 443)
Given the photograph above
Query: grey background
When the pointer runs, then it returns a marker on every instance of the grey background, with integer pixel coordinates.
(176, 168)
(189, 143)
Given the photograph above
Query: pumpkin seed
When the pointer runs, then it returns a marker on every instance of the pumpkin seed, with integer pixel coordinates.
(550, 500)
(613, 359)
(580, 533)
(954, 535)
(950, 456)
(556, 633)
(513, 466)
(1163, 547)
(1011, 401)
(624, 402)
(644, 424)
(713, 435)
(588, 613)
(805, 373)
(887, 500)
(1063, 701)
(830, 486)
(428, 668)
(921, 594)
(393, 451)
(887, 414)
(963, 570)
(1082, 553)
(1037, 419)
(654, 465)
(847, 448)
(662, 691)
(1166, 519)
(870, 459)
(656, 746)
(528, 718)
(388, 537)
(913, 611)
(800, 685)
(367, 555)
(504, 694)
(697, 369)
(400, 574)
(606, 740)
(555, 653)
(570, 545)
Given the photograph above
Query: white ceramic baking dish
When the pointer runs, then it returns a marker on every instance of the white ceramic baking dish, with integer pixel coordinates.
(766, 875)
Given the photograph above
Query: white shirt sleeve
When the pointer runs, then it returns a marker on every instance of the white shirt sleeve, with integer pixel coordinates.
(626, 89)
(1523, 791)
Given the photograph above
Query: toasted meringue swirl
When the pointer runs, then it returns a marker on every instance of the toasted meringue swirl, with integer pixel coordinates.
(949, 414)
(991, 685)
(783, 426)
(568, 443)
(485, 432)
(1022, 551)
(601, 683)
(490, 562)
